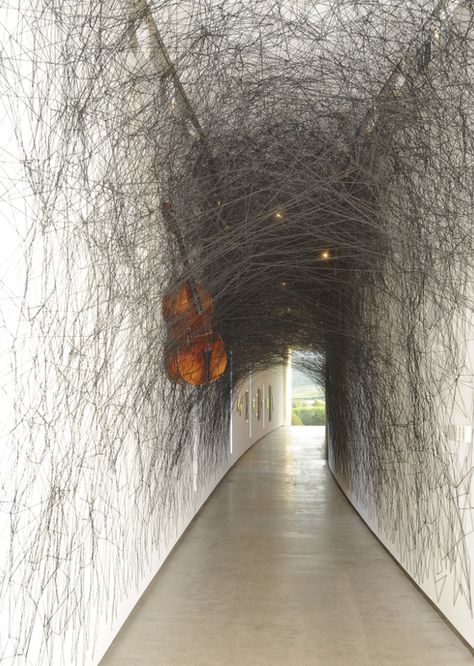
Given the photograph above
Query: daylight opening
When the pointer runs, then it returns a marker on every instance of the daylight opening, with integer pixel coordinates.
(308, 400)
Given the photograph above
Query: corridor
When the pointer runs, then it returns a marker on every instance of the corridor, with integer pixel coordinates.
(278, 570)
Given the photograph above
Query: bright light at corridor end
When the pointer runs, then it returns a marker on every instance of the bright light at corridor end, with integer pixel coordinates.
(288, 385)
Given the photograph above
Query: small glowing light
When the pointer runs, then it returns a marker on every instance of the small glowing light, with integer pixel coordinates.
(279, 215)
(283, 284)
(325, 255)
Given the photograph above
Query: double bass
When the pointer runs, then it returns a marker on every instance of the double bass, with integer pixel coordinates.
(194, 353)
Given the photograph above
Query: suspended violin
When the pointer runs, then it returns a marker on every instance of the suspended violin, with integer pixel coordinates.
(194, 352)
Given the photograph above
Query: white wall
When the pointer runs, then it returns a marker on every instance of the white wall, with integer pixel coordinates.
(404, 455)
(251, 421)
(100, 471)
(432, 537)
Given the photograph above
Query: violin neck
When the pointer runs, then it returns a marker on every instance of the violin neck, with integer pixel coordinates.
(198, 304)
(173, 227)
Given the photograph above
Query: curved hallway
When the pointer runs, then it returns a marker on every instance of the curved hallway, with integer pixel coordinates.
(278, 569)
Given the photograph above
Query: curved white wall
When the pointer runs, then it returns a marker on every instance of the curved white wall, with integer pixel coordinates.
(92, 499)
(428, 526)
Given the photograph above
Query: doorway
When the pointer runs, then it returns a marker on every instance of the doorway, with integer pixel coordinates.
(308, 400)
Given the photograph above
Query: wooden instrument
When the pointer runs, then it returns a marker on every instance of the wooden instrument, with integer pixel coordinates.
(194, 353)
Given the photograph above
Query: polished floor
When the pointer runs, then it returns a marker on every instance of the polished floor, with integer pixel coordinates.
(278, 570)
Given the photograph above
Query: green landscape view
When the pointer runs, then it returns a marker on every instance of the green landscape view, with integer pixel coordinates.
(308, 403)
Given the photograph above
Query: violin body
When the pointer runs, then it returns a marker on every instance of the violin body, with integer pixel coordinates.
(194, 353)
(199, 361)
(180, 311)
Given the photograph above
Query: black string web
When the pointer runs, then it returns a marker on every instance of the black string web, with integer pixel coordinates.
(319, 157)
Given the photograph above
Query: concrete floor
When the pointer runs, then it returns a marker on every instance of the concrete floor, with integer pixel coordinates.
(278, 570)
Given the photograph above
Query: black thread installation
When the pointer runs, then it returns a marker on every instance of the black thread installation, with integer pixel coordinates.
(319, 159)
